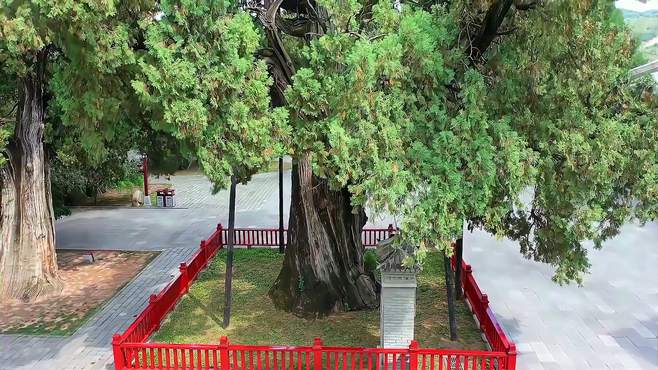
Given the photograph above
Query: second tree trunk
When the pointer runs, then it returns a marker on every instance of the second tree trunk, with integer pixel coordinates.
(28, 265)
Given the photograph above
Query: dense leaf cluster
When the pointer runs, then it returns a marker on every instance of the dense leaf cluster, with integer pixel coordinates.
(564, 86)
(544, 139)
(199, 81)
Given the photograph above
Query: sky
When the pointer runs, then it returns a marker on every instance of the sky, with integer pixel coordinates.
(638, 6)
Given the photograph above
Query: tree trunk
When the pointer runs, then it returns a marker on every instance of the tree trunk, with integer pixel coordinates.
(452, 319)
(494, 18)
(28, 264)
(322, 270)
(228, 280)
(459, 257)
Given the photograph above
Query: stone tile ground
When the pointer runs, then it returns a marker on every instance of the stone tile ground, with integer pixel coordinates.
(610, 323)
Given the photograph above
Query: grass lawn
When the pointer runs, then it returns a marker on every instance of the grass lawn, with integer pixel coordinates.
(198, 317)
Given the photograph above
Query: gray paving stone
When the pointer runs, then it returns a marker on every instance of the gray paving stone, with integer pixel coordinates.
(602, 324)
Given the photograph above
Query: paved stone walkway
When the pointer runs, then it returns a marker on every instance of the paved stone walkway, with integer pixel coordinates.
(196, 192)
(610, 323)
(161, 228)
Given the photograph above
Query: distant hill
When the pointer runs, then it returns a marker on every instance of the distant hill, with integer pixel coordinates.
(645, 28)
(629, 14)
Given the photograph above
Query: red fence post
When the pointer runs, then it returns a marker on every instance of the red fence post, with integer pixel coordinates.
(155, 308)
(223, 354)
(119, 363)
(481, 314)
(317, 354)
(511, 357)
(413, 355)
(185, 279)
(204, 253)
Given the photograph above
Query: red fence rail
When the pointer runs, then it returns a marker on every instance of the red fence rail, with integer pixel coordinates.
(270, 237)
(317, 357)
(131, 350)
(489, 325)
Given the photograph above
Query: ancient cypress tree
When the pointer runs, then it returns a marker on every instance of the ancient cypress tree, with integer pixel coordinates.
(444, 112)
(439, 112)
(63, 59)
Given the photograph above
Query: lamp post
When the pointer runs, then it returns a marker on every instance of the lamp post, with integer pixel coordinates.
(228, 278)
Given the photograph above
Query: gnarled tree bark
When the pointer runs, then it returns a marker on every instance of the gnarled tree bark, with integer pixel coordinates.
(28, 264)
(322, 270)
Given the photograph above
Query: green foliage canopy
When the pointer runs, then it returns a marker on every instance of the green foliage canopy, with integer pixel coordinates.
(92, 121)
(199, 81)
(90, 48)
(385, 121)
(564, 84)
(398, 112)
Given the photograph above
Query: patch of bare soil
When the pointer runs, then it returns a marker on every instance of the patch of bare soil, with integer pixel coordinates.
(87, 285)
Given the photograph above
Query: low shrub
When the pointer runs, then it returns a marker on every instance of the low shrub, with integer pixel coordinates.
(370, 262)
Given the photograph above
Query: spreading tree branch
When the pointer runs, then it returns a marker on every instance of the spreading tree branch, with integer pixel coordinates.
(299, 27)
(495, 16)
(9, 114)
(279, 62)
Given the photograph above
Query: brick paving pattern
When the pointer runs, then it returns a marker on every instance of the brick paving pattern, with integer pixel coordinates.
(196, 192)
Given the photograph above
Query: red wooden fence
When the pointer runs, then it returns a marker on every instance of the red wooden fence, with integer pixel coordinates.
(479, 304)
(317, 357)
(270, 237)
(131, 350)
